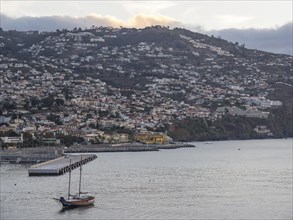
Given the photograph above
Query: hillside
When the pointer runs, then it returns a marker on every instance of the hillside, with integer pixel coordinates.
(194, 86)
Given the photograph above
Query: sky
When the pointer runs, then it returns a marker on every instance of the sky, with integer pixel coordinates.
(230, 19)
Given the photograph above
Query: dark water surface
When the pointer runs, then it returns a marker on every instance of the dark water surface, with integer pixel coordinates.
(216, 180)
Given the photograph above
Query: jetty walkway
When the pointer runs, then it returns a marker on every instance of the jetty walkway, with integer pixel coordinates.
(60, 165)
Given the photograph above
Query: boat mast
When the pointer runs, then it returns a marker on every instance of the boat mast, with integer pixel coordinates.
(69, 178)
(80, 176)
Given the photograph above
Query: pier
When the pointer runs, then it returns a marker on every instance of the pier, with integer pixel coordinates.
(60, 165)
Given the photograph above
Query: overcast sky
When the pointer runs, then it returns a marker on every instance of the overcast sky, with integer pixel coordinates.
(231, 19)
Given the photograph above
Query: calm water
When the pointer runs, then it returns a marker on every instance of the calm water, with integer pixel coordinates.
(215, 180)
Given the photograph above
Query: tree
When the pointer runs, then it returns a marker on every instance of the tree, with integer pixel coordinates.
(48, 101)
(55, 119)
(8, 105)
(69, 140)
(9, 133)
(92, 125)
(28, 140)
(59, 102)
(34, 101)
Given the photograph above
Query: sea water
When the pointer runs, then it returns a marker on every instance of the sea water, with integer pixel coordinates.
(215, 180)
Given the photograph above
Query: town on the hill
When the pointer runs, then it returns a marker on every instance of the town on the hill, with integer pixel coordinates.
(116, 85)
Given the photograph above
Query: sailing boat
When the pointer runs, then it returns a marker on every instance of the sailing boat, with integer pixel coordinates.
(79, 199)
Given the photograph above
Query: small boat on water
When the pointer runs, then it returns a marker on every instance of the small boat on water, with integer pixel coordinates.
(79, 199)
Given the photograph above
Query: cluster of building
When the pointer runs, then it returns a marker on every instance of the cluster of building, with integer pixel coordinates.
(89, 83)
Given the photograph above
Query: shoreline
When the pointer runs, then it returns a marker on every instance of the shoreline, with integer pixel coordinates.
(43, 154)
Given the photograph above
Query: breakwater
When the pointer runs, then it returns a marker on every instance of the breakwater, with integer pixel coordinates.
(136, 147)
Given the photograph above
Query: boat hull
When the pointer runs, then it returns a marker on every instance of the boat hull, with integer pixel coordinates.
(75, 202)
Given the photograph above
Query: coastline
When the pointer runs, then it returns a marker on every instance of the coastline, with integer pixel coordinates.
(42, 154)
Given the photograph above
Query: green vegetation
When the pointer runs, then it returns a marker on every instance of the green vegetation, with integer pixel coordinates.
(233, 127)
(279, 122)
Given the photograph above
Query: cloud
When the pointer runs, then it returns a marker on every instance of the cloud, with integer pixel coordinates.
(149, 6)
(148, 20)
(276, 40)
(98, 20)
(233, 19)
(51, 23)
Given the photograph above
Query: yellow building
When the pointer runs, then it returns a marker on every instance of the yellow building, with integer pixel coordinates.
(152, 138)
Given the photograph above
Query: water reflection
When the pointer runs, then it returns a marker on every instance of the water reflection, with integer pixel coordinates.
(78, 209)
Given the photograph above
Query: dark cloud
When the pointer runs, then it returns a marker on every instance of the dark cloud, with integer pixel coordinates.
(51, 23)
(277, 40)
